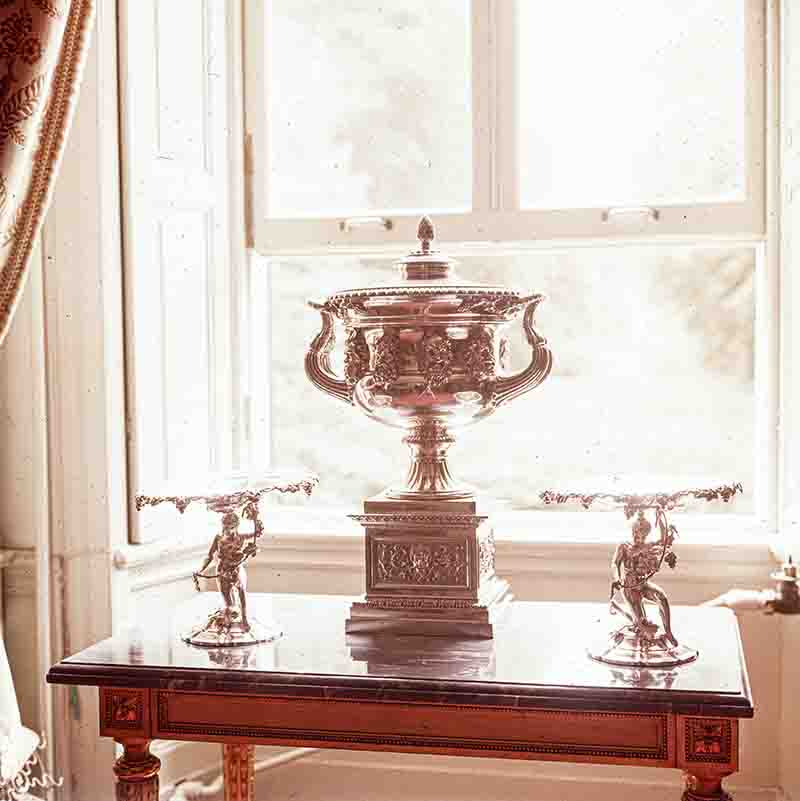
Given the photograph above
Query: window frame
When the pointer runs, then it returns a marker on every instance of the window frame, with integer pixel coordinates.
(494, 226)
(253, 416)
(496, 216)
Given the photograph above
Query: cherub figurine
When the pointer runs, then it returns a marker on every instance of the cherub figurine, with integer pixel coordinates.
(633, 565)
(233, 496)
(641, 643)
(230, 549)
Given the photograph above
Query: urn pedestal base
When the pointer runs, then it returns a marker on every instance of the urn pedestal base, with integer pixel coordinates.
(429, 570)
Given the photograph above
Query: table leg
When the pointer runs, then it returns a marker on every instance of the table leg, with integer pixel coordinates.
(238, 763)
(705, 784)
(137, 771)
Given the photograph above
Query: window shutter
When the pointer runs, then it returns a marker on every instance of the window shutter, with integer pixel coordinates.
(180, 273)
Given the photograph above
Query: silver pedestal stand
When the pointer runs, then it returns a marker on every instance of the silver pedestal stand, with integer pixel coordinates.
(640, 642)
(233, 497)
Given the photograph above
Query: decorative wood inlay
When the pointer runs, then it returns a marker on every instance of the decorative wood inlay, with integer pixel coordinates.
(123, 709)
(124, 712)
(708, 740)
(392, 725)
(239, 772)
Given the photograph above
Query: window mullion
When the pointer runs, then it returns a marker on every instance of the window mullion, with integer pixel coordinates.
(766, 194)
(255, 88)
(504, 43)
(237, 202)
(768, 296)
(482, 108)
(258, 400)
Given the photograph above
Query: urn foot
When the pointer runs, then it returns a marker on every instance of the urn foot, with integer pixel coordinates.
(429, 477)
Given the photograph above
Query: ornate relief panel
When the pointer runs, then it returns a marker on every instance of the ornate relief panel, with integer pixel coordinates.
(356, 356)
(419, 563)
(486, 553)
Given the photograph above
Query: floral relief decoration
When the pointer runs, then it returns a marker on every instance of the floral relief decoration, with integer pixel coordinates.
(415, 563)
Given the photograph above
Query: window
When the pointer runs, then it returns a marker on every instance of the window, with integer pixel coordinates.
(610, 155)
(654, 372)
(617, 162)
(572, 120)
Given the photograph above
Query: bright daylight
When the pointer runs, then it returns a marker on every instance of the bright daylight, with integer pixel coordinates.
(397, 400)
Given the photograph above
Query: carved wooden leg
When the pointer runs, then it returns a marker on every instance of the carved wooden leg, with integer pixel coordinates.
(137, 771)
(704, 784)
(239, 772)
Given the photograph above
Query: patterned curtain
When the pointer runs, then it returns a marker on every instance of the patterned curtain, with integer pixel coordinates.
(42, 45)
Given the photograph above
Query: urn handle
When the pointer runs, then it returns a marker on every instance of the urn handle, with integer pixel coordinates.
(510, 387)
(318, 362)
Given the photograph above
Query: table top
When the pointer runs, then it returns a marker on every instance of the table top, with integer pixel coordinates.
(537, 659)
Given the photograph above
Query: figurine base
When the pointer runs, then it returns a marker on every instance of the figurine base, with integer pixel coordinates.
(221, 630)
(627, 648)
(432, 617)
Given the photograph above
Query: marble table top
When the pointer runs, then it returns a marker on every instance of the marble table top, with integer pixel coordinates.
(537, 658)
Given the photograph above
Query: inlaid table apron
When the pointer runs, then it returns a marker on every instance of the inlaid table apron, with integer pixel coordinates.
(530, 693)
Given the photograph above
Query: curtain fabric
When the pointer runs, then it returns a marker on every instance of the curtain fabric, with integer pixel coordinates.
(42, 46)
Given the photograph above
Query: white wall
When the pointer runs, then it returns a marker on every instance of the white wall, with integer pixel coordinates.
(63, 485)
(788, 733)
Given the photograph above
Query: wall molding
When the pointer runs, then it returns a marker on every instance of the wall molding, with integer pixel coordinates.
(701, 564)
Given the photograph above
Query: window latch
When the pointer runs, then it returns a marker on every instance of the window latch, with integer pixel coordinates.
(631, 215)
(364, 222)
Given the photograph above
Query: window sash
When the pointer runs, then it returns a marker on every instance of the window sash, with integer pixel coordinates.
(493, 227)
(495, 215)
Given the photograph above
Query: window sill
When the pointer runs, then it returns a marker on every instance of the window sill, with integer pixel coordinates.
(722, 550)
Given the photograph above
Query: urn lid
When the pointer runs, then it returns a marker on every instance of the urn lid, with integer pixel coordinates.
(426, 274)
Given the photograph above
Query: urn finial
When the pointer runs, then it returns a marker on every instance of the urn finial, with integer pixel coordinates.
(426, 263)
(425, 234)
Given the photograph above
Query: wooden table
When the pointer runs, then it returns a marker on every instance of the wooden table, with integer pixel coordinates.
(531, 693)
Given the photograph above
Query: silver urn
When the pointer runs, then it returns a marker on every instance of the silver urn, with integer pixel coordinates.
(426, 354)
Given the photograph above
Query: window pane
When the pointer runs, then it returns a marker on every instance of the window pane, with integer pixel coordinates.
(625, 102)
(653, 373)
(369, 107)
